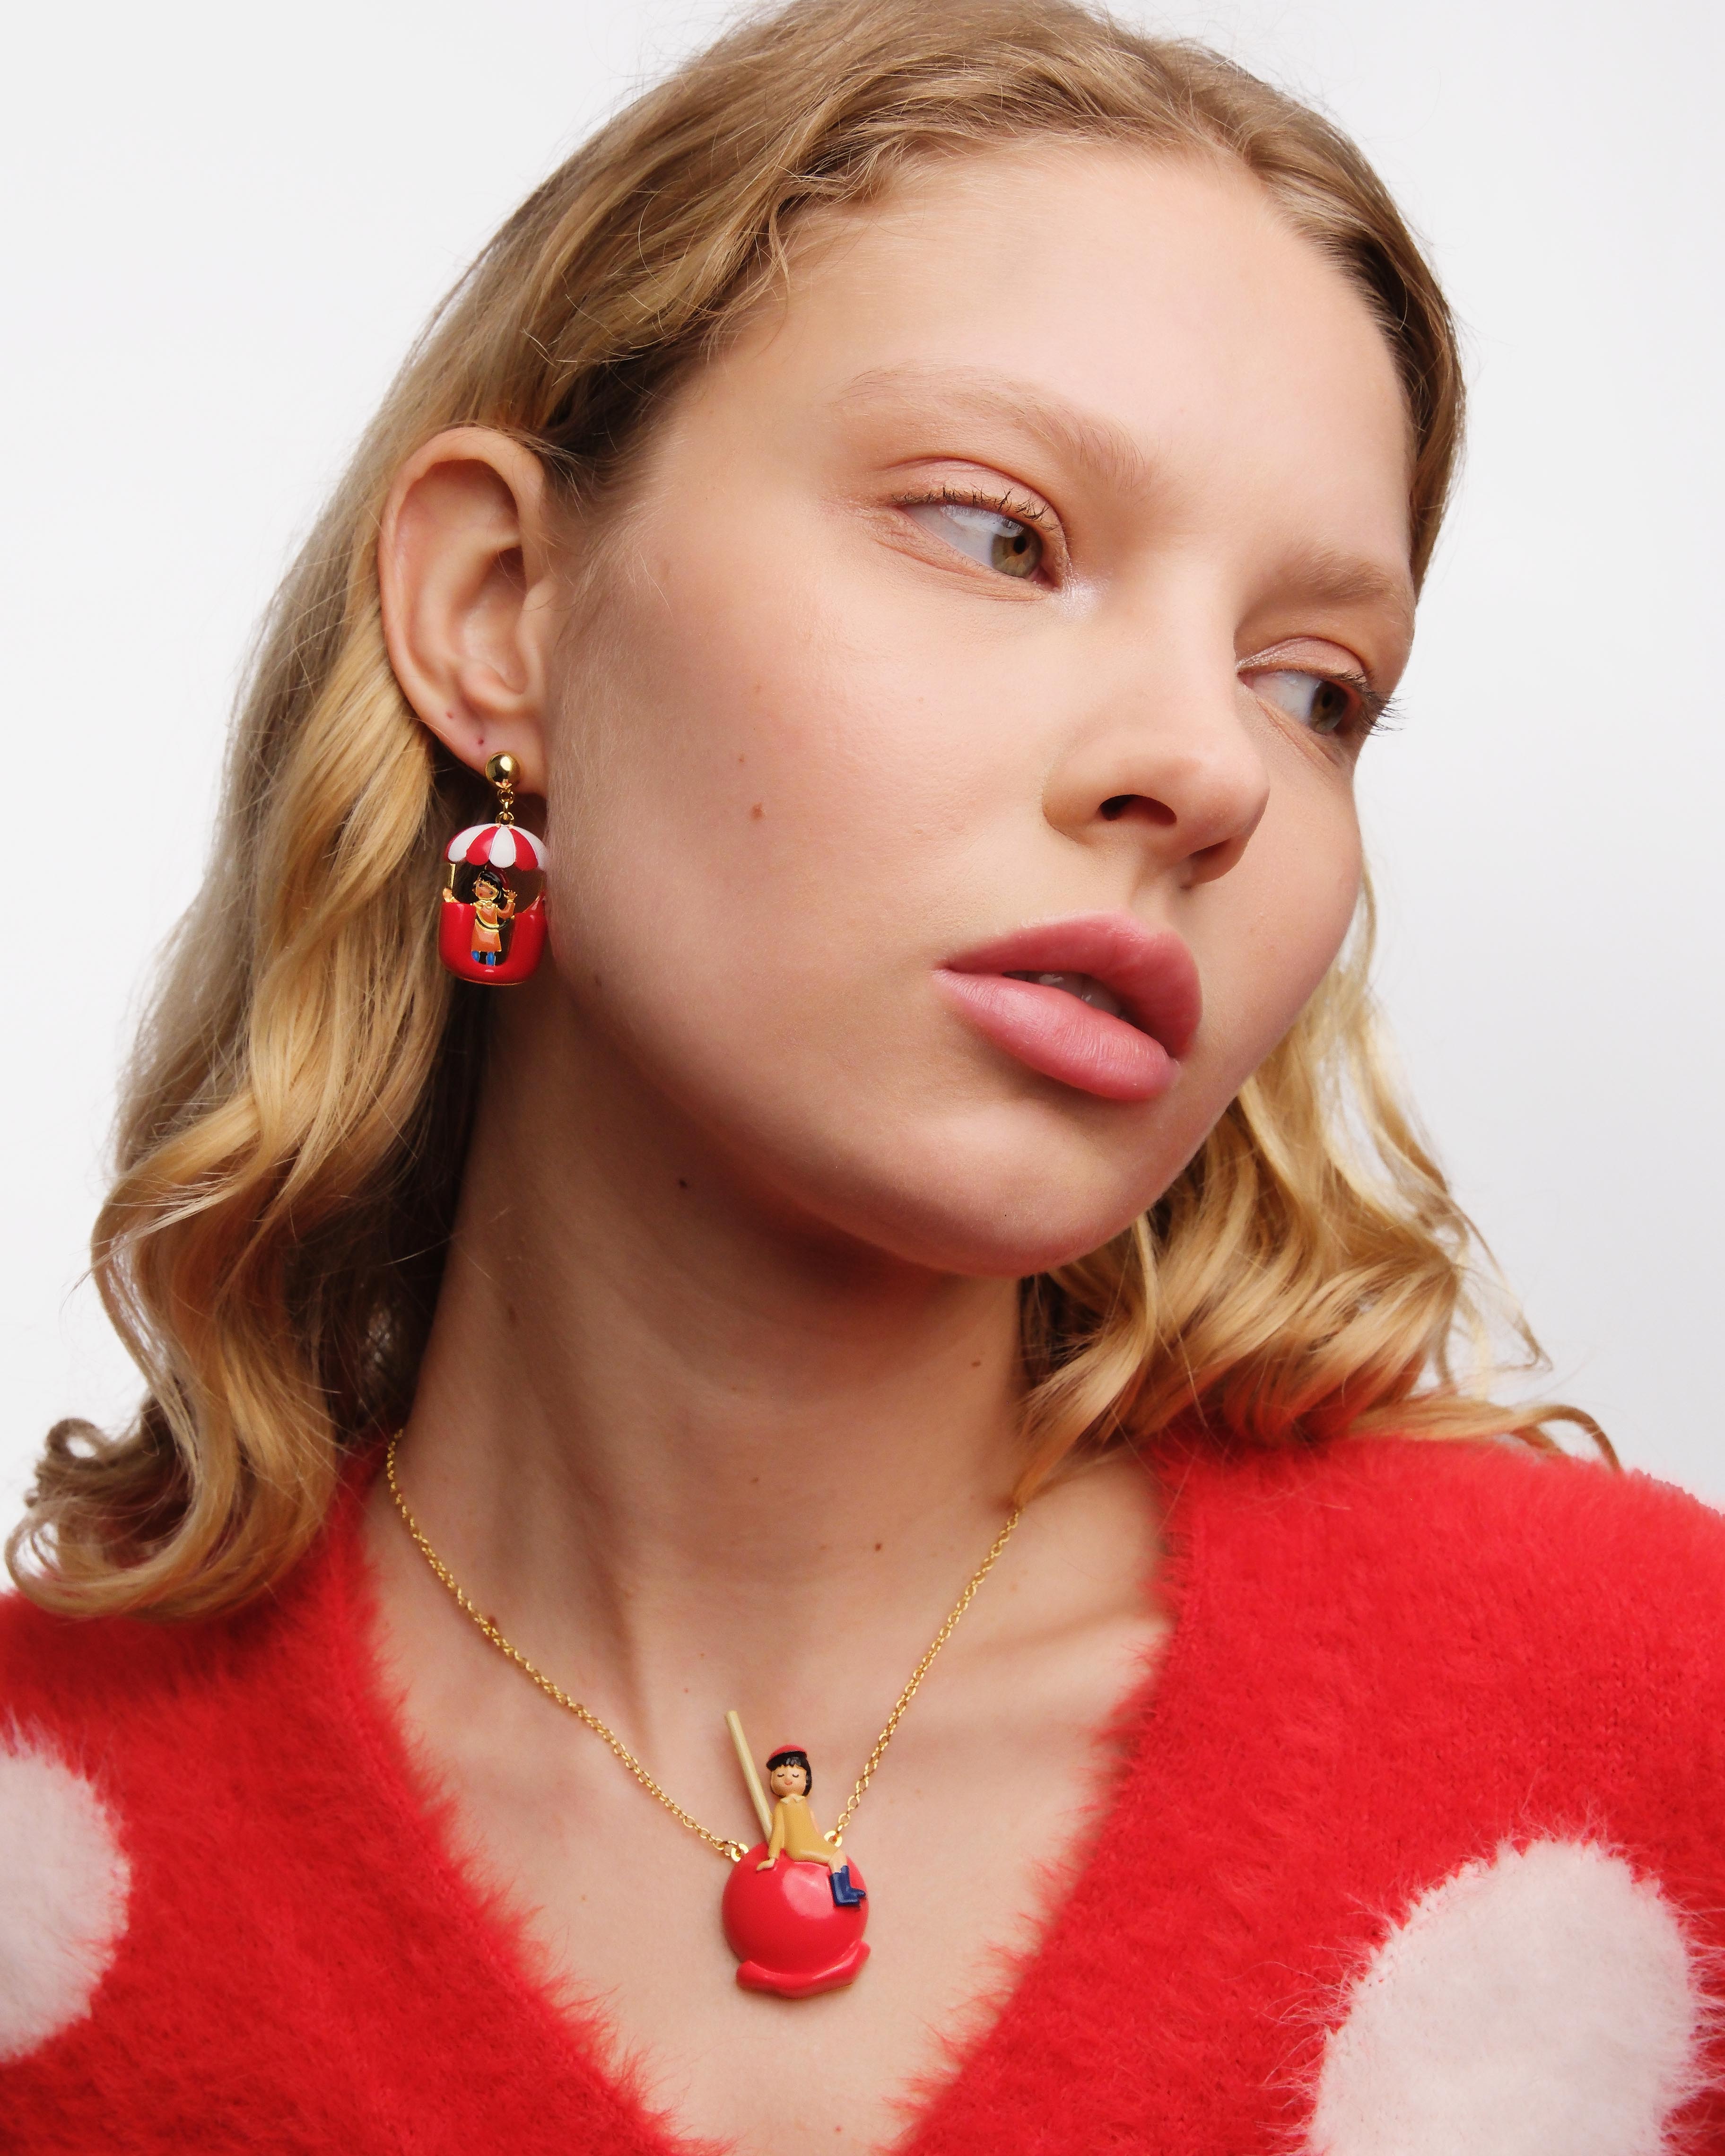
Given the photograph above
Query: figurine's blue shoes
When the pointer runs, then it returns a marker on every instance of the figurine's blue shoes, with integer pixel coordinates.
(845, 1894)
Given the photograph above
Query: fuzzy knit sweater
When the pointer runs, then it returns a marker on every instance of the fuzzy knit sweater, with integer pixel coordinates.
(1433, 1772)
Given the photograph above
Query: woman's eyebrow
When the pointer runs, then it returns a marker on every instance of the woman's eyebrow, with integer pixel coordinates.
(935, 395)
(1350, 580)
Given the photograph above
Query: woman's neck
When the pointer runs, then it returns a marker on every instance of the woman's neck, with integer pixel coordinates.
(657, 1428)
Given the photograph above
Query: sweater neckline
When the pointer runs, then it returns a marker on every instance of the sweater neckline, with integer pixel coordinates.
(1148, 1729)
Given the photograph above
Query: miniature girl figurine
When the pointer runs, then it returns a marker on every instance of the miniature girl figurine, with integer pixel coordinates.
(933, 500)
(795, 1833)
(492, 905)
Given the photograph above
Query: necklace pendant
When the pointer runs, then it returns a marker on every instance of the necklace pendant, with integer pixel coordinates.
(789, 1936)
(794, 1909)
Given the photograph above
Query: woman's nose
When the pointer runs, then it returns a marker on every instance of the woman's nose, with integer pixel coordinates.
(1177, 760)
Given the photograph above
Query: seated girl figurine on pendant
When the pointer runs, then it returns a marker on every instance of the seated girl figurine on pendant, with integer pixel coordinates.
(794, 1833)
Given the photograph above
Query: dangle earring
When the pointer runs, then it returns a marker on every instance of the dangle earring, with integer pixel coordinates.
(491, 915)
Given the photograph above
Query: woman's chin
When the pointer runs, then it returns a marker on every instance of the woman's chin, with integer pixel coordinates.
(1004, 1220)
(991, 1250)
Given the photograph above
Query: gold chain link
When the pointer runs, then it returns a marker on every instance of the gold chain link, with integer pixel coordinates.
(910, 1690)
(735, 1850)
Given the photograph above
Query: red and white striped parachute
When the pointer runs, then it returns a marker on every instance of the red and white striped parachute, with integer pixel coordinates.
(502, 845)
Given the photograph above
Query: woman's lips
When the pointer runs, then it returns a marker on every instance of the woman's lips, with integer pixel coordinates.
(1148, 973)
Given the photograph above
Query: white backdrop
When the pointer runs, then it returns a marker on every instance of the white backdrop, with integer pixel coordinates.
(226, 223)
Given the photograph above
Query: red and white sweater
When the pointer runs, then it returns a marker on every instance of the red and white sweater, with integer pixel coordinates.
(1431, 1778)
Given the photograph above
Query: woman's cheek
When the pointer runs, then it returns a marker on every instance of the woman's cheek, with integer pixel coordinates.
(734, 850)
(768, 757)
(1289, 916)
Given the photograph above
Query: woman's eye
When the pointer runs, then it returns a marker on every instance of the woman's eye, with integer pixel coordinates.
(998, 542)
(1311, 700)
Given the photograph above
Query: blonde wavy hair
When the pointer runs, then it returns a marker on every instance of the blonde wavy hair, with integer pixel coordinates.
(292, 1136)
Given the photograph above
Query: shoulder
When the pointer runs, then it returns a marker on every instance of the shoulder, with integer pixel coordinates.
(1475, 1511)
(74, 1699)
(94, 1678)
(1574, 1529)
(84, 1674)
(138, 1759)
(1483, 1565)
(1470, 1644)
(102, 1719)
(145, 1701)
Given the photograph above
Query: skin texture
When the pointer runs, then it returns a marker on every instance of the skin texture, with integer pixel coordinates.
(718, 1407)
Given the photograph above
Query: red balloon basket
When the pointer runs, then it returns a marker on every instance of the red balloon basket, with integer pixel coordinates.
(525, 936)
(787, 1932)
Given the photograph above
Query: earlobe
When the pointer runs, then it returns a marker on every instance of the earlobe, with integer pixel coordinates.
(467, 571)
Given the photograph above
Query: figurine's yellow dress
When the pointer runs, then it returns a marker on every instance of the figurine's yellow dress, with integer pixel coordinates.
(795, 1835)
(487, 925)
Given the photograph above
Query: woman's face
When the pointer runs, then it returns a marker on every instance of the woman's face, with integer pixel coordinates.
(1039, 563)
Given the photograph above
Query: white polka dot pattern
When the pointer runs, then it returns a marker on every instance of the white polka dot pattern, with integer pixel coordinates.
(1543, 2002)
(64, 1883)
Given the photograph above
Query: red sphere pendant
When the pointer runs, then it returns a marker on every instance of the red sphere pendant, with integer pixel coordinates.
(786, 1931)
(794, 1909)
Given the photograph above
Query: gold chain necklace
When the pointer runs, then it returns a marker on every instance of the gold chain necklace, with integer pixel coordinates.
(798, 1935)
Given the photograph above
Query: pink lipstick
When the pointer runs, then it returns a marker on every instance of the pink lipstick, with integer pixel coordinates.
(1099, 1001)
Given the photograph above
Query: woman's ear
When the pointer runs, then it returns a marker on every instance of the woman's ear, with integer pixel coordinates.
(466, 577)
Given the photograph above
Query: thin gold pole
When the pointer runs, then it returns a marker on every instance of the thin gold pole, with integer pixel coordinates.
(745, 1760)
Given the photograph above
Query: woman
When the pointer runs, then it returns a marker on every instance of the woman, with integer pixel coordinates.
(933, 500)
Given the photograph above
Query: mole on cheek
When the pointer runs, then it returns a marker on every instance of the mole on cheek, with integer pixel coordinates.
(756, 811)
